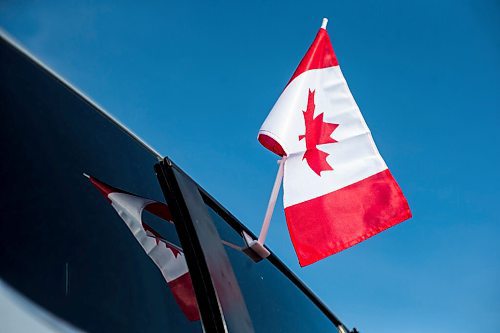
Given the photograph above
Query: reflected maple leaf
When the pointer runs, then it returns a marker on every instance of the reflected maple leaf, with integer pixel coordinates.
(159, 239)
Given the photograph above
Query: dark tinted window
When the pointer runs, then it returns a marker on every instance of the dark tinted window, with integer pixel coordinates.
(61, 243)
(274, 302)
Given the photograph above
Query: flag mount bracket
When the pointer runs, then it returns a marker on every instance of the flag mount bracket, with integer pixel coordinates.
(254, 249)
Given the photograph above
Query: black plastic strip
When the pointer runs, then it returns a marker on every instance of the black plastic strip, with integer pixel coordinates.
(214, 281)
(200, 276)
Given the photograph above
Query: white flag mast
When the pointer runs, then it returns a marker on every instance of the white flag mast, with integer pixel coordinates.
(272, 201)
(258, 245)
(324, 23)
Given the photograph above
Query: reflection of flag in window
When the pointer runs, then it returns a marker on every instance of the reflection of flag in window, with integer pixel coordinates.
(168, 257)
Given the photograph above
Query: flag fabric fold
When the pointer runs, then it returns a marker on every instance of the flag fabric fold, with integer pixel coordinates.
(338, 190)
(168, 257)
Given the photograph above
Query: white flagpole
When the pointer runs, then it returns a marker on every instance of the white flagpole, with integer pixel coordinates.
(272, 201)
(324, 23)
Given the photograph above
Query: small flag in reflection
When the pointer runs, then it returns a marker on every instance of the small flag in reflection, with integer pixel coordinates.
(168, 257)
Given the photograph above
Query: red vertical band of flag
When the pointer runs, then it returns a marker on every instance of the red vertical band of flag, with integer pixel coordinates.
(182, 289)
(319, 55)
(333, 222)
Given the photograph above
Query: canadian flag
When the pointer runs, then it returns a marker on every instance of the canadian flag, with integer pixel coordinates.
(338, 190)
(168, 257)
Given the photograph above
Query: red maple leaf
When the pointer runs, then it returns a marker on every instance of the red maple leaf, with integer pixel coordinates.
(159, 239)
(317, 133)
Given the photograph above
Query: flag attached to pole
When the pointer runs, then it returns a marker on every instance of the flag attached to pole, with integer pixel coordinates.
(169, 258)
(337, 188)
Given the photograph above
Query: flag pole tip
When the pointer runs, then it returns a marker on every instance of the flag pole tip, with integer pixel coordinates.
(86, 175)
(324, 23)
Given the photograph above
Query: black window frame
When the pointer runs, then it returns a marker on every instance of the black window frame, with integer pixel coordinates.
(180, 207)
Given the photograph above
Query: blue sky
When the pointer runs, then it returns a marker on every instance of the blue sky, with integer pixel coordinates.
(196, 80)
